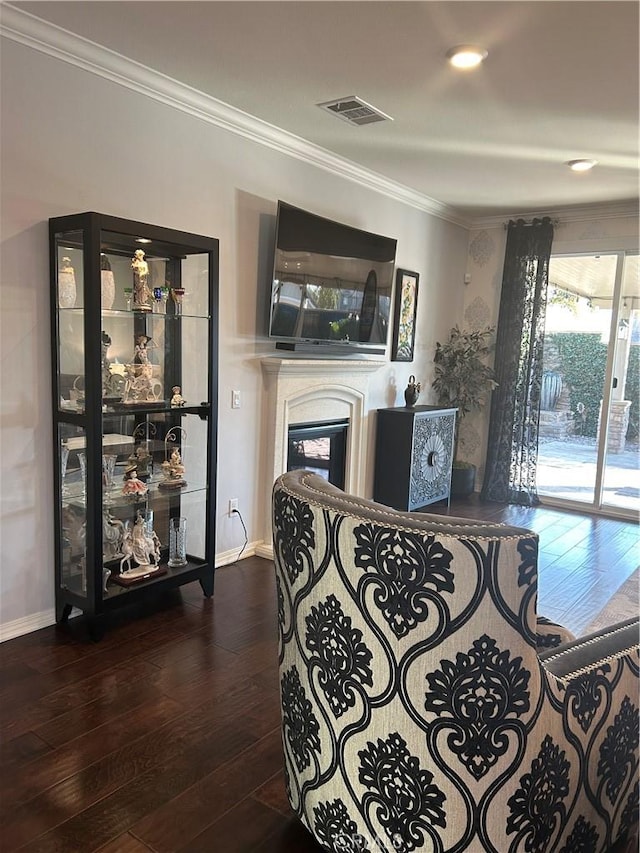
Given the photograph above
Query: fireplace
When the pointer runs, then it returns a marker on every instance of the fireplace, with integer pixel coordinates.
(309, 391)
(319, 447)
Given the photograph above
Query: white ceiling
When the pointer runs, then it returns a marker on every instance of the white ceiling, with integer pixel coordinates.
(560, 82)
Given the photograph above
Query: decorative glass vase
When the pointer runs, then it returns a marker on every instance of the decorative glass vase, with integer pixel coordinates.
(108, 470)
(107, 283)
(148, 522)
(82, 459)
(66, 284)
(177, 542)
(64, 459)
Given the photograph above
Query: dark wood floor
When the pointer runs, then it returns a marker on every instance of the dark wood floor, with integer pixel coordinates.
(165, 735)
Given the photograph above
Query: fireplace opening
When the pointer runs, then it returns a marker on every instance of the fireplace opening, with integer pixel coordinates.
(321, 448)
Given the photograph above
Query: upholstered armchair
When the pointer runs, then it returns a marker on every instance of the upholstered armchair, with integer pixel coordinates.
(418, 712)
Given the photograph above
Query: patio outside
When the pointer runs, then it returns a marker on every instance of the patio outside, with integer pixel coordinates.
(567, 471)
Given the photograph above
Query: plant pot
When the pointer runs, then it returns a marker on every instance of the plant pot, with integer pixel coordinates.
(463, 480)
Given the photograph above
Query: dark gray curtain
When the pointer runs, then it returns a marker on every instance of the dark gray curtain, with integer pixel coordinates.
(512, 451)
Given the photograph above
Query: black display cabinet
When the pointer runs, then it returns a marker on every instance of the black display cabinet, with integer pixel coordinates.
(134, 354)
(414, 456)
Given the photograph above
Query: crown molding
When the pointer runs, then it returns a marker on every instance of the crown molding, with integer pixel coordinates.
(54, 41)
(564, 215)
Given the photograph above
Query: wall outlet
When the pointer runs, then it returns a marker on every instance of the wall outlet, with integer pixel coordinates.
(233, 505)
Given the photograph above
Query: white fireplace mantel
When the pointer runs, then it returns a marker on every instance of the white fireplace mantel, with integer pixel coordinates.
(300, 391)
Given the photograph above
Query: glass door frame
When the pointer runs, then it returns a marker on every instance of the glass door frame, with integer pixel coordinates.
(597, 506)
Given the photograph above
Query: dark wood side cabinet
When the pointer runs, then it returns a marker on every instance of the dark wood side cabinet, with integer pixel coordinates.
(414, 456)
(134, 326)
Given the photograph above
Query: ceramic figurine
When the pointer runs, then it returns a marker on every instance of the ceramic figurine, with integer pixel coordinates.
(141, 547)
(143, 460)
(173, 466)
(141, 350)
(141, 291)
(133, 487)
(112, 383)
(140, 386)
(177, 399)
(173, 471)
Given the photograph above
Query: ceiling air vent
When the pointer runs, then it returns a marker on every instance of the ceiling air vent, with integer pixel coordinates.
(354, 110)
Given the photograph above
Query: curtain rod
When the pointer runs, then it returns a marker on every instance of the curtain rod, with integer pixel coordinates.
(555, 222)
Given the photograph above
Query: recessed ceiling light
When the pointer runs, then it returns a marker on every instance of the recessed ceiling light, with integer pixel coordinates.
(581, 165)
(466, 55)
(142, 240)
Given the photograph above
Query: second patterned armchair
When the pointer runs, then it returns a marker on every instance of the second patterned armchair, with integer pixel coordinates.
(418, 713)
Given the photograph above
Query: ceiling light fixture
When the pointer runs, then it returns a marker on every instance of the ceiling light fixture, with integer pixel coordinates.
(581, 165)
(466, 55)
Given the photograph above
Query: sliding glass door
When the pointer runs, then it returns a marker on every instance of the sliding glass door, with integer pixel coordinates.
(588, 448)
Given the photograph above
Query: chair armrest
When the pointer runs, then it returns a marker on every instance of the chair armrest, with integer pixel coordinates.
(588, 653)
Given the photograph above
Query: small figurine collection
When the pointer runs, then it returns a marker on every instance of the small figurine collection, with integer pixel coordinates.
(131, 547)
(136, 382)
(137, 547)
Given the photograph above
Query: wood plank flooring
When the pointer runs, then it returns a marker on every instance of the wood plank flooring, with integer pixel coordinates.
(165, 735)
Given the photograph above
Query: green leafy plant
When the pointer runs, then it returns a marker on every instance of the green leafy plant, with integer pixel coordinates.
(582, 363)
(462, 378)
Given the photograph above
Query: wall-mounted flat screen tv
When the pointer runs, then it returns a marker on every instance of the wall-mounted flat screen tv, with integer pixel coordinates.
(332, 283)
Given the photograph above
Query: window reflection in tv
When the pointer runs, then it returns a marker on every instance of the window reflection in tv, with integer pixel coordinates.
(332, 283)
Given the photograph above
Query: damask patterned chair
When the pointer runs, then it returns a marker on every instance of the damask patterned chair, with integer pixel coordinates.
(417, 711)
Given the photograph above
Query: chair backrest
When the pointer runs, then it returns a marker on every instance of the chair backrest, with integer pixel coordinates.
(416, 713)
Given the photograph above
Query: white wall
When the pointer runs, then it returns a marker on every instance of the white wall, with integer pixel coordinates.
(72, 141)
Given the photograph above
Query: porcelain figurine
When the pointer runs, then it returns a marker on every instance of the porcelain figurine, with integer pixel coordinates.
(173, 470)
(177, 399)
(143, 460)
(141, 547)
(141, 349)
(133, 487)
(141, 291)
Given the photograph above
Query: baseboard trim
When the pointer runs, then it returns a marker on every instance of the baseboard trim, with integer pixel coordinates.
(36, 621)
(225, 558)
(27, 624)
(264, 549)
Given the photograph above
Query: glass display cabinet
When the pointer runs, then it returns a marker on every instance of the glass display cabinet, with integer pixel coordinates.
(134, 334)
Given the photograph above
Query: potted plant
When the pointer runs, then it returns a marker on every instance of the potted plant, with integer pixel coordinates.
(463, 380)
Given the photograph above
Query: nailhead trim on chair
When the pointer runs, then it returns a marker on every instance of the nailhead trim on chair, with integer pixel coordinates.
(385, 512)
